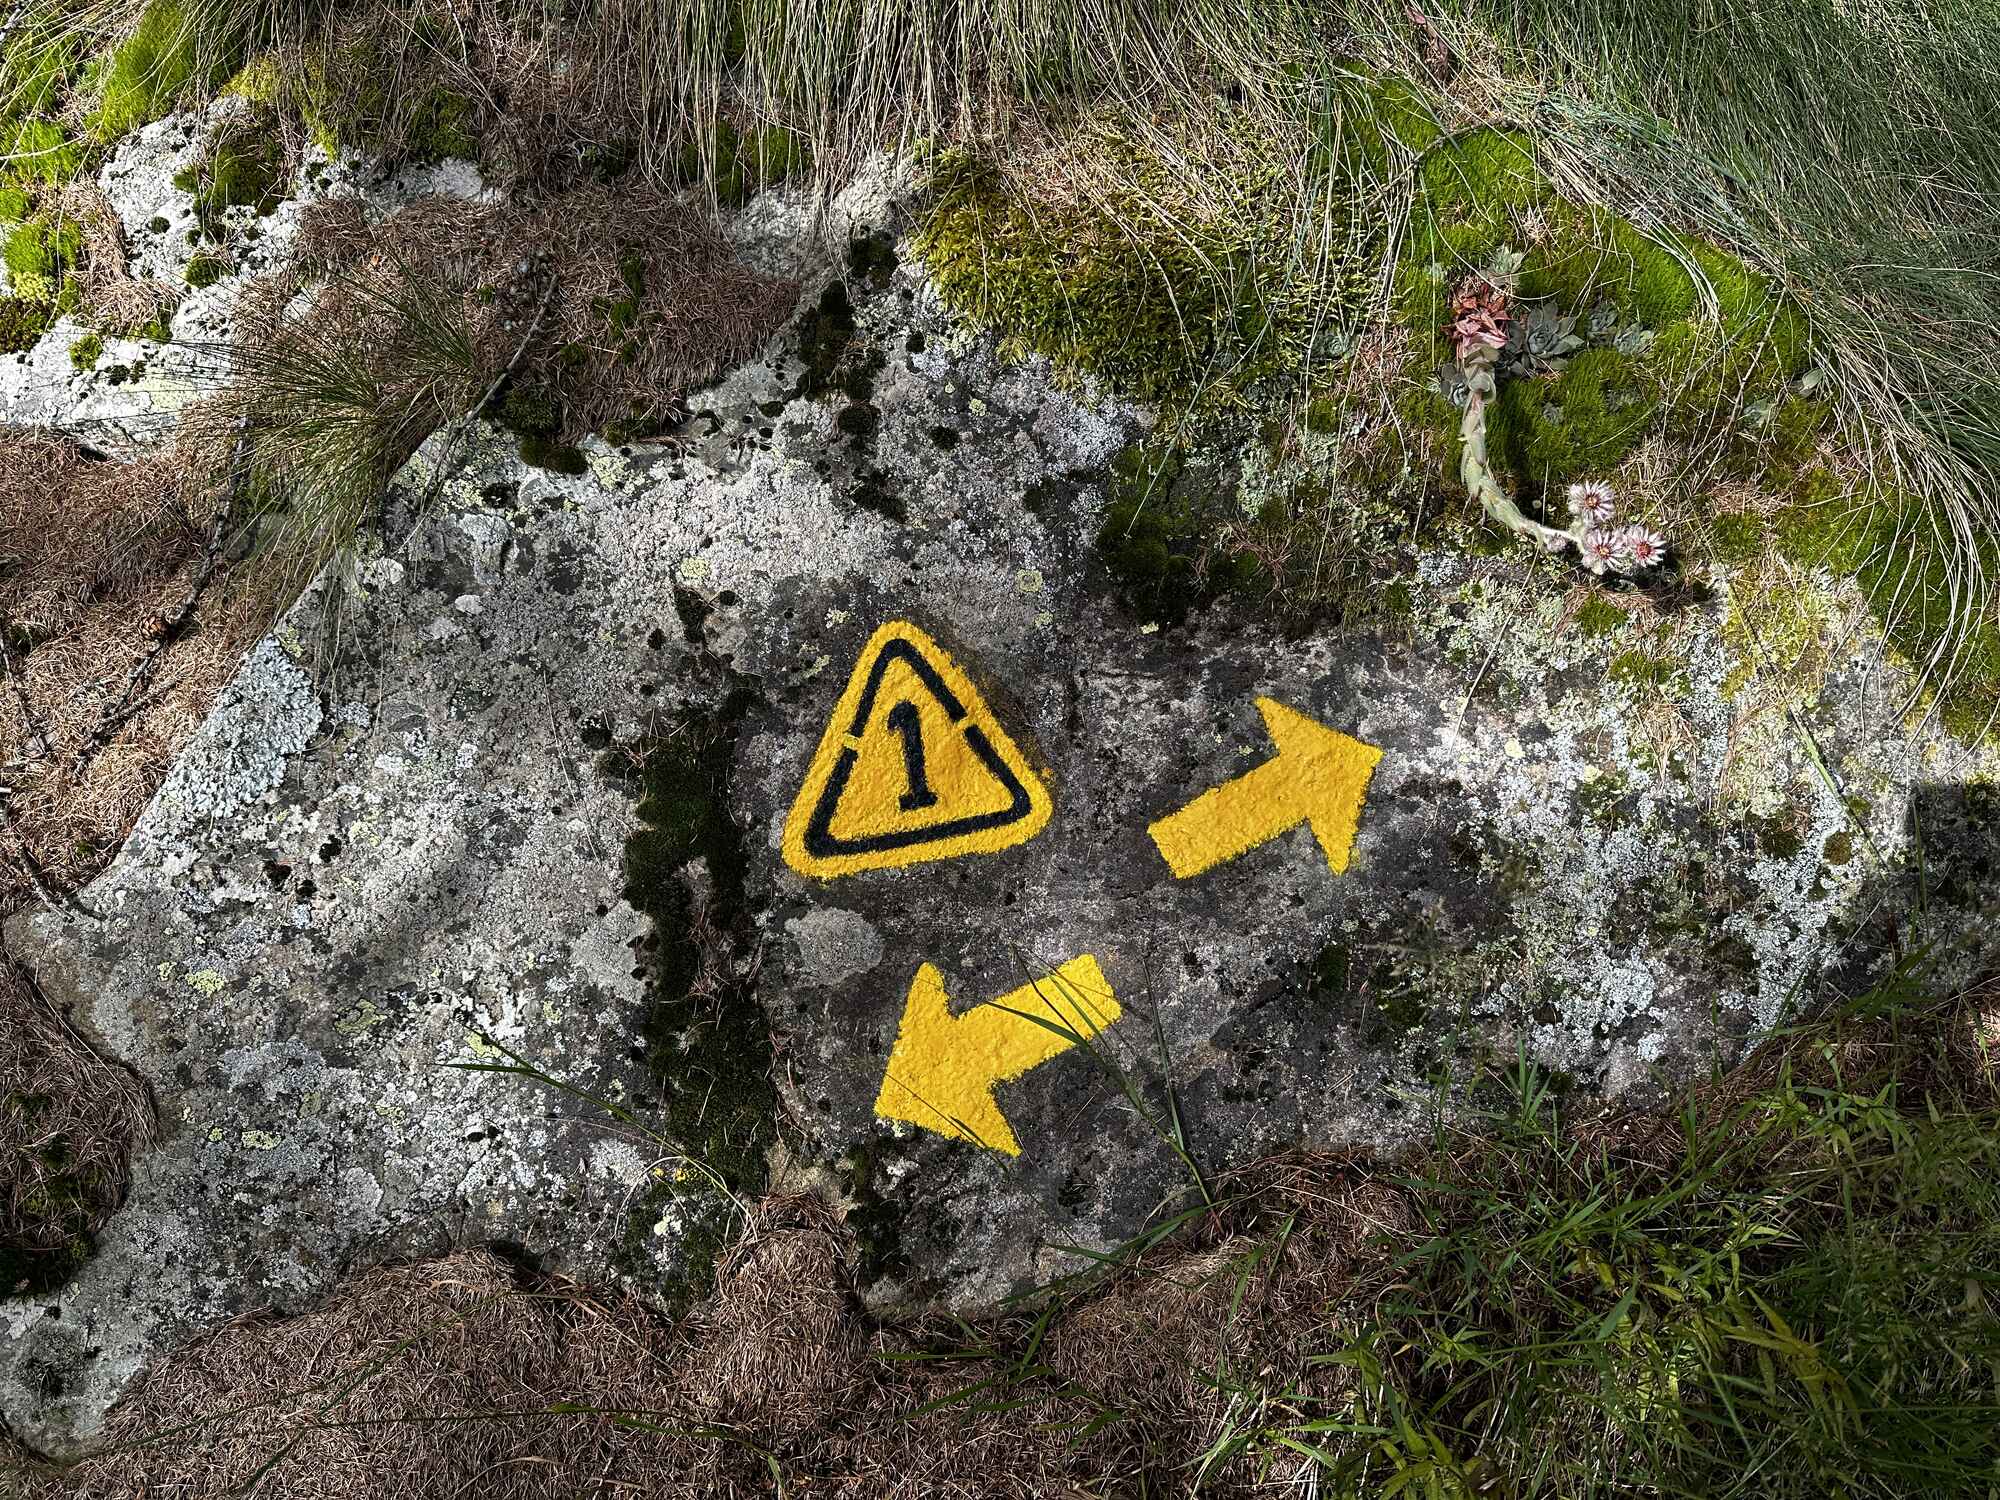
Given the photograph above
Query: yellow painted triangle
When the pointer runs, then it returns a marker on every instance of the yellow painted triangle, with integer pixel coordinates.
(912, 766)
(943, 1069)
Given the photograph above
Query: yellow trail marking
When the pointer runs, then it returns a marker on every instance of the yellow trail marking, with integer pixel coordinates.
(1318, 776)
(943, 1068)
(913, 765)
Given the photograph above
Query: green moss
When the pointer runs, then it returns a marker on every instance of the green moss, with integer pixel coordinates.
(155, 69)
(1590, 256)
(43, 256)
(1740, 538)
(1603, 801)
(382, 90)
(1481, 182)
(739, 165)
(776, 153)
(38, 65)
(1163, 311)
(876, 1220)
(22, 323)
(1824, 528)
(708, 1048)
(55, 1217)
(86, 351)
(1642, 669)
(39, 151)
(534, 414)
(1403, 1010)
(1329, 972)
(1777, 837)
(1365, 973)
(871, 260)
(261, 81)
(1599, 616)
(1838, 849)
(205, 268)
(440, 127)
(1400, 114)
(240, 167)
(1584, 421)
(1892, 549)
(825, 334)
(1156, 540)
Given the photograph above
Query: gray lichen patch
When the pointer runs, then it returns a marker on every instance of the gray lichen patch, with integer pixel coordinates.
(268, 714)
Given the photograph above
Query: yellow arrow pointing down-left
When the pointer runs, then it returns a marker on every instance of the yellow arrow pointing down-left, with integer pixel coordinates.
(943, 1069)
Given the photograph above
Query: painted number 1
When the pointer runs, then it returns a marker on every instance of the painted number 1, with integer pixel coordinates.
(903, 720)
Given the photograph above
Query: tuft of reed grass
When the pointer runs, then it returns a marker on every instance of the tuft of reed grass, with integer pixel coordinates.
(330, 399)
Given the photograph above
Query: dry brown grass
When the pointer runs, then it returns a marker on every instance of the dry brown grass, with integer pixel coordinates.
(455, 1378)
(69, 1122)
(95, 558)
(116, 298)
(604, 350)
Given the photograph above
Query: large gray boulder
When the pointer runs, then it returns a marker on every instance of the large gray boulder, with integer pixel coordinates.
(401, 845)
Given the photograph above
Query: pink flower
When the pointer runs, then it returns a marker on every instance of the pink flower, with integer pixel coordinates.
(1593, 502)
(1479, 317)
(1647, 549)
(1601, 548)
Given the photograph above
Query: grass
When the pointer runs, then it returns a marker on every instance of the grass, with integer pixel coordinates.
(1780, 1284)
(1784, 1296)
(1782, 1287)
(1196, 199)
(329, 405)
(68, 1123)
(94, 556)
(581, 311)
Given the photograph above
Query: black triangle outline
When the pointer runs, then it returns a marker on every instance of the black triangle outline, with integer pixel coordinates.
(820, 841)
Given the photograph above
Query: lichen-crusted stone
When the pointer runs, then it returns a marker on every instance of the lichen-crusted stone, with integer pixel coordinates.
(268, 714)
(340, 893)
(1612, 864)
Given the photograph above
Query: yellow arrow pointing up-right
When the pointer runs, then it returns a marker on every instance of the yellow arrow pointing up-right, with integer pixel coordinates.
(1319, 776)
(943, 1068)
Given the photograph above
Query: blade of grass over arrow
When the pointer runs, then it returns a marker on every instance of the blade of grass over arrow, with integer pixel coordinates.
(1060, 990)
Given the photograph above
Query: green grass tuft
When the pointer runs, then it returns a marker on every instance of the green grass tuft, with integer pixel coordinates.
(165, 60)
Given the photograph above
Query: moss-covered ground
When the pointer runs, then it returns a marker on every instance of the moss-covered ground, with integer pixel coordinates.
(243, 166)
(44, 256)
(1649, 357)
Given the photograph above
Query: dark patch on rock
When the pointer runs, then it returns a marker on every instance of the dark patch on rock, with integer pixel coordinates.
(707, 1044)
(693, 611)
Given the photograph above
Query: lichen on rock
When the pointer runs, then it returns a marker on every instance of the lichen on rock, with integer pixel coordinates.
(268, 714)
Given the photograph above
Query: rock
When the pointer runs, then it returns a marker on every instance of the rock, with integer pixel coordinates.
(132, 394)
(397, 846)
